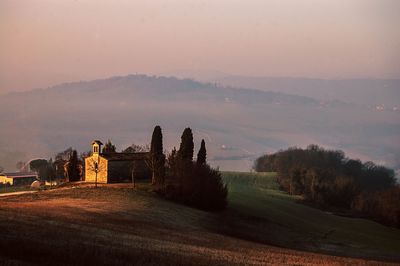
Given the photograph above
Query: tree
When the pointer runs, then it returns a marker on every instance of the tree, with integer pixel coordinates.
(64, 155)
(94, 166)
(202, 154)
(133, 166)
(60, 161)
(186, 148)
(185, 176)
(137, 148)
(1, 169)
(51, 171)
(73, 168)
(40, 166)
(109, 147)
(156, 159)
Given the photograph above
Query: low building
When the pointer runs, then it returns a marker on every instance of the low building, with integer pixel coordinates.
(18, 178)
(115, 167)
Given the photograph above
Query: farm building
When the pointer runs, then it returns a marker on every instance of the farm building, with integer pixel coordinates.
(116, 166)
(18, 178)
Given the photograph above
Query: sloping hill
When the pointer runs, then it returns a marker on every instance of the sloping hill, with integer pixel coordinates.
(295, 225)
(116, 224)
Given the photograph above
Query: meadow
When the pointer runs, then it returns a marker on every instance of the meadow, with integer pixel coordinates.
(118, 225)
(295, 225)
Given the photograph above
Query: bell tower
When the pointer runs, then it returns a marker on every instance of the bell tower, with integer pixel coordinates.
(96, 147)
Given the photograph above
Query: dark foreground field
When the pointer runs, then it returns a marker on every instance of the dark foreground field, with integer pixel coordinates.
(118, 225)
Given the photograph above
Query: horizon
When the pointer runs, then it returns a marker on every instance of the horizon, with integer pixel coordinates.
(197, 79)
(50, 42)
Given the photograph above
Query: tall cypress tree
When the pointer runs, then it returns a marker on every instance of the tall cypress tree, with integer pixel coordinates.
(73, 167)
(157, 158)
(109, 147)
(202, 154)
(185, 165)
(186, 148)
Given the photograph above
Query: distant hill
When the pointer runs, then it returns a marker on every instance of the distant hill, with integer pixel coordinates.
(237, 124)
(373, 92)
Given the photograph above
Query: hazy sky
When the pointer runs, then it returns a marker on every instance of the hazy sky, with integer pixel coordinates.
(44, 42)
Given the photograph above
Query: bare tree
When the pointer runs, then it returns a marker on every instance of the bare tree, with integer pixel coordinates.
(133, 167)
(96, 167)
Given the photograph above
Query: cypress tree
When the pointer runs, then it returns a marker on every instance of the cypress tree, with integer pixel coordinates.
(73, 167)
(157, 158)
(202, 154)
(109, 147)
(186, 148)
(185, 166)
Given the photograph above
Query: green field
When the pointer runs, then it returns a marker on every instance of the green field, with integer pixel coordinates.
(285, 222)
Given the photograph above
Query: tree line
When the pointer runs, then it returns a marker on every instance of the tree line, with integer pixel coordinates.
(327, 178)
(67, 165)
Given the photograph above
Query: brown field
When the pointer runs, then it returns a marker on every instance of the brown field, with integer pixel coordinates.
(118, 225)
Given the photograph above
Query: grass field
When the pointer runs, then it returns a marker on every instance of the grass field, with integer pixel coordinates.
(303, 227)
(119, 225)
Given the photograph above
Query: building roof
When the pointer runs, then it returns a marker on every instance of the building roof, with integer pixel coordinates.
(20, 175)
(98, 142)
(122, 156)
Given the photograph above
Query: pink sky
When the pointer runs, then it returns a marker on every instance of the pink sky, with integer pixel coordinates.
(44, 42)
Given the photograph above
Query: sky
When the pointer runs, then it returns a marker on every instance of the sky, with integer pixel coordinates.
(46, 42)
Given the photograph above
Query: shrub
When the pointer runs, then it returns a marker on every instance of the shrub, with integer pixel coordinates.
(193, 183)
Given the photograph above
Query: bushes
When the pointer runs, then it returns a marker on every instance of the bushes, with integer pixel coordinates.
(193, 183)
(199, 186)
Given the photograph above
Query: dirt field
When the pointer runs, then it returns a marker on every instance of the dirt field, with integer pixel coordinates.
(118, 225)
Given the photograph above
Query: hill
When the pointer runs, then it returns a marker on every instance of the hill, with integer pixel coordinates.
(373, 92)
(115, 224)
(237, 124)
(291, 224)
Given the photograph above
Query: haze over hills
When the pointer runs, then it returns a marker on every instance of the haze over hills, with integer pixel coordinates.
(237, 124)
(364, 91)
(373, 92)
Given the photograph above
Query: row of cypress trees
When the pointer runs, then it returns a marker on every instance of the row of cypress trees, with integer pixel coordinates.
(178, 177)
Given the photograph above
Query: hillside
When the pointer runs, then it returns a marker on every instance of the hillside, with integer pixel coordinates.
(115, 224)
(257, 195)
(372, 92)
(237, 124)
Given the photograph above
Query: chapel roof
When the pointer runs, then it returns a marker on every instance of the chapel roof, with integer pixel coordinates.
(122, 156)
(98, 142)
